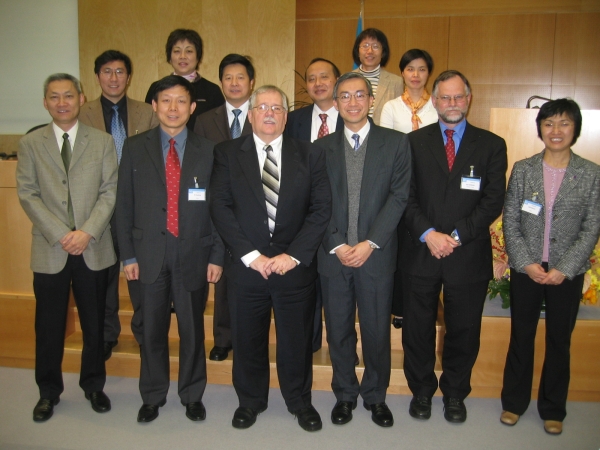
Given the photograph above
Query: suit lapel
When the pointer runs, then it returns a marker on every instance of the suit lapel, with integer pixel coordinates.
(52, 147)
(290, 159)
(81, 142)
(154, 150)
(222, 123)
(468, 144)
(249, 163)
(133, 117)
(95, 115)
(336, 169)
(536, 180)
(435, 145)
(190, 160)
(372, 157)
(572, 176)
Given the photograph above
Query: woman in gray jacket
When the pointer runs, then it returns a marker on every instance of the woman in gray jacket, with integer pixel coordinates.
(551, 225)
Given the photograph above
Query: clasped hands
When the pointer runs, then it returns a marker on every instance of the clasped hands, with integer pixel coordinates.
(280, 264)
(537, 273)
(440, 245)
(354, 256)
(75, 242)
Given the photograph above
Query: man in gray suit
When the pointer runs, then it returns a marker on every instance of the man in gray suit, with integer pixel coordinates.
(369, 171)
(66, 182)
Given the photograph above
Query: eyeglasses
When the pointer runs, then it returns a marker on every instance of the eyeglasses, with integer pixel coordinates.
(345, 97)
(457, 98)
(120, 73)
(263, 108)
(367, 45)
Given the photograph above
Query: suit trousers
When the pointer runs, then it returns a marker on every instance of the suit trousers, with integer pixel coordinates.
(373, 296)
(52, 301)
(156, 313)
(222, 317)
(294, 310)
(463, 307)
(562, 305)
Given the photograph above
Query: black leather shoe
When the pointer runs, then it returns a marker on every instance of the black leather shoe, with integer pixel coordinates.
(219, 353)
(148, 412)
(397, 322)
(380, 414)
(100, 402)
(44, 409)
(108, 347)
(308, 418)
(420, 407)
(195, 411)
(454, 410)
(245, 417)
(342, 412)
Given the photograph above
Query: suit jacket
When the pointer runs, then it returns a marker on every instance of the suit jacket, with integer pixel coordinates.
(437, 201)
(575, 216)
(383, 197)
(43, 190)
(142, 206)
(390, 86)
(140, 117)
(299, 123)
(214, 125)
(238, 209)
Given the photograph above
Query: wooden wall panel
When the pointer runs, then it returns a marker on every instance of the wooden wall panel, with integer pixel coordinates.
(483, 7)
(395, 30)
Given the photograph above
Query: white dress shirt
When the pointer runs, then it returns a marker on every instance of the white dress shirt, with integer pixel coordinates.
(58, 132)
(241, 117)
(332, 117)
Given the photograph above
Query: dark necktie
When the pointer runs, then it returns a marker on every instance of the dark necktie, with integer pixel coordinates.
(356, 138)
(323, 129)
(236, 130)
(65, 153)
(117, 130)
(173, 173)
(270, 179)
(450, 149)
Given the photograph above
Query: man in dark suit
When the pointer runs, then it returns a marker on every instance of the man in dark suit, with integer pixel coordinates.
(121, 116)
(369, 170)
(168, 242)
(457, 191)
(271, 225)
(223, 123)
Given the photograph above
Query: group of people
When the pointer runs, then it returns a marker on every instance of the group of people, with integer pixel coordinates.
(374, 198)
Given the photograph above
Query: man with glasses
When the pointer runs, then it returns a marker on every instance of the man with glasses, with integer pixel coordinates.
(457, 191)
(120, 116)
(369, 171)
(270, 201)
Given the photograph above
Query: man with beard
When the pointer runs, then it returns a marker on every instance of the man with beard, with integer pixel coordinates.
(457, 191)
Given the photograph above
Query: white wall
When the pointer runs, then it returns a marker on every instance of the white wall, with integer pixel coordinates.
(37, 38)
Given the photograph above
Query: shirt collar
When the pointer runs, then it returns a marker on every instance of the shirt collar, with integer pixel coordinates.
(107, 103)
(243, 108)
(72, 132)
(363, 132)
(180, 138)
(459, 129)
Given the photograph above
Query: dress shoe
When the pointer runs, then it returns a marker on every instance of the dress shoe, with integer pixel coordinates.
(397, 322)
(195, 411)
(148, 412)
(108, 347)
(308, 418)
(219, 353)
(245, 417)
(100, 402)
(44, 409)
(552, 427)
(455, 410)
(508, 418)
(342, 412)
(380, 414)
(420, 407)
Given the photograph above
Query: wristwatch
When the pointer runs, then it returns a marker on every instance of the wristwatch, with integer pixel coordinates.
(454, 235)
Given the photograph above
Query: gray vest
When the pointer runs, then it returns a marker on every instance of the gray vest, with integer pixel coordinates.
(355, 163)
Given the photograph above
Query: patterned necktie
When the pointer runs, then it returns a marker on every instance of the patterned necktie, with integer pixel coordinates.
(450, 150)
(323, 129)
(270, 179)
(117, 130)
(356, 138)
(236, 130)
(65, 153)
(173, 173)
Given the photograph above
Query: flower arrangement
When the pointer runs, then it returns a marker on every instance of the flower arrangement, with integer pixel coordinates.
(591, 287)
(500, 284)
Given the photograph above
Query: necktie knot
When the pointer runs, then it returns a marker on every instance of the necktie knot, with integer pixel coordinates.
(356, 138)
(172, 143)
(268, 148)
(323, 117)
(449, 133)
(236, 112)
(323, 129)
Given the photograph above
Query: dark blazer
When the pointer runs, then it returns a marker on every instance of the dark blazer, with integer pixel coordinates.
(207, 96)
(437, 201)
(214, 125)
(142, 206)
(237, 205)
(299, 123)
(383, 197)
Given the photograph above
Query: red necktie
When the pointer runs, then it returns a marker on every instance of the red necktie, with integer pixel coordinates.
(323, 129)
(173, 173)
(450, 150)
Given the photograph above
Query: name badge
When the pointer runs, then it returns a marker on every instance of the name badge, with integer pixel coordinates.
(196, 195)
(470, 183)
(531, 207)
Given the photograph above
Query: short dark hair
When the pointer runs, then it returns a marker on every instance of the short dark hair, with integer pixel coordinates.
(415, 53)
(445, 76)
(559, 107)
(376, 34)
(182, 34)
(62, 77)
(336, 71)
(349, 76)
(110, 56)
(169, 82)
(234, 58)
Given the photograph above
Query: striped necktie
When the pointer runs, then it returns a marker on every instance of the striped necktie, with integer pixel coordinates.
(236, 130)
(117, 129)
(270, 180)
